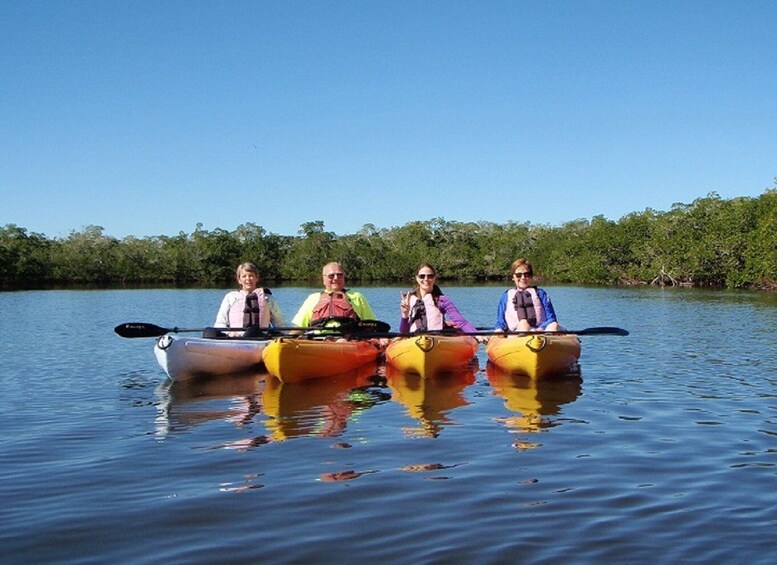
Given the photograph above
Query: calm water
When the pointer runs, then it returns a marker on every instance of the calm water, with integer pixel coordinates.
(665, 449)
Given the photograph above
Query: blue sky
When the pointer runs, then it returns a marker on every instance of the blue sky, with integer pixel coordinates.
(149, 117)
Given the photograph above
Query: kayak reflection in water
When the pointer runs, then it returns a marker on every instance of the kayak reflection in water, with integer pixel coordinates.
(320, 407)
(429, 400)
(534, 401)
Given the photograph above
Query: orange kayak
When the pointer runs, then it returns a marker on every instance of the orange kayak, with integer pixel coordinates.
(298, 359)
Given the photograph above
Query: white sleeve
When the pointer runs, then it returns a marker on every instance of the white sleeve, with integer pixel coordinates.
(222, 318)
(276, 316)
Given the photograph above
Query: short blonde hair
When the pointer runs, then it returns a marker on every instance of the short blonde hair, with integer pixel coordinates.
(250, 267)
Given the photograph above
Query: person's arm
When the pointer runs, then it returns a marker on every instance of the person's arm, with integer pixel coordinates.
(448, 308)
(501, 322)
(404, 325)
(360, 305)
(276, 316)
(550, 312)
(222, 317)
(305, 313)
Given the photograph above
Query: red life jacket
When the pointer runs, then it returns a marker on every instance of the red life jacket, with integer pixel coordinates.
(333, 305)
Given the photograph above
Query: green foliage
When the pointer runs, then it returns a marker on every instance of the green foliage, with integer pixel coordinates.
(711, 242)
(24, 256)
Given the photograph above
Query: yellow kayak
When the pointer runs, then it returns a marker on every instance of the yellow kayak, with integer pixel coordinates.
(298, 359)
(536, 355)
(430, 355)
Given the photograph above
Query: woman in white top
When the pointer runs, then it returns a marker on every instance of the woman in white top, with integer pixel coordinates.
(251, 305)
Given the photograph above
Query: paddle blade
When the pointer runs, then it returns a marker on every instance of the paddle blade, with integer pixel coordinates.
(603, 330)
(372, 326)
(140, 329)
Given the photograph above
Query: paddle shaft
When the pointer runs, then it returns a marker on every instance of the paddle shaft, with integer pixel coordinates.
(144, 329)
(602, 330)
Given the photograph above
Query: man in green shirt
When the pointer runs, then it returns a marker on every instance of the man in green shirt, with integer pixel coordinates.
(334, 302)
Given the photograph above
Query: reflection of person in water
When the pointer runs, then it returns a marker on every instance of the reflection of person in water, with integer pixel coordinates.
(429, 400)
(533, 400)
(321, 407)
(189, 403)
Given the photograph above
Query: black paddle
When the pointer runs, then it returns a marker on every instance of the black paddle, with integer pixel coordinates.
(602, 330)
(144, 329)
(598, 330)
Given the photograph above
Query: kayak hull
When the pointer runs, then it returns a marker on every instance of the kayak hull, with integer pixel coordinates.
(431, 355)
(536, 355)
(185, 358)
(293, 360)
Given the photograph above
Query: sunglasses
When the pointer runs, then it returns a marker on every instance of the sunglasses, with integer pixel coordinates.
(423, 276)
(520, 275)
(331, 276)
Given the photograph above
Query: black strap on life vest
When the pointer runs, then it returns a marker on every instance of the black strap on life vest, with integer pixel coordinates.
(251, 311)
(418, 315)
(524, 306)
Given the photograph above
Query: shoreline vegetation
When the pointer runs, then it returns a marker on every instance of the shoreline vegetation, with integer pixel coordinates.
(711, 242)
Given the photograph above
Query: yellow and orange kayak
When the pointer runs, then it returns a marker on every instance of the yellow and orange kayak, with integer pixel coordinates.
(431, 355)
(298, 359)
(536, 355)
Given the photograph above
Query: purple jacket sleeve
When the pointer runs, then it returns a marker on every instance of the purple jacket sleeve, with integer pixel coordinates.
(453, 315)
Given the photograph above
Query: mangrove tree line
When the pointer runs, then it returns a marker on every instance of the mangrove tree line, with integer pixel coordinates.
(710, 242)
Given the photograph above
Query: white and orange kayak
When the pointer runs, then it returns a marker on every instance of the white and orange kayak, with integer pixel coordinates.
(298, 359)
(429, 355)
(537, 355)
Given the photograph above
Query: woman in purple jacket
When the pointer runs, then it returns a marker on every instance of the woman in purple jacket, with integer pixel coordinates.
(426, 308)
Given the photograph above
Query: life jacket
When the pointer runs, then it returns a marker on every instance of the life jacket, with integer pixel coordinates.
(424, 314)
(526, 305)
(252, 309)
(333, 305)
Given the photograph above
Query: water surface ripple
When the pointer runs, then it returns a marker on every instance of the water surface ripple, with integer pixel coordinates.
(663, 449)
